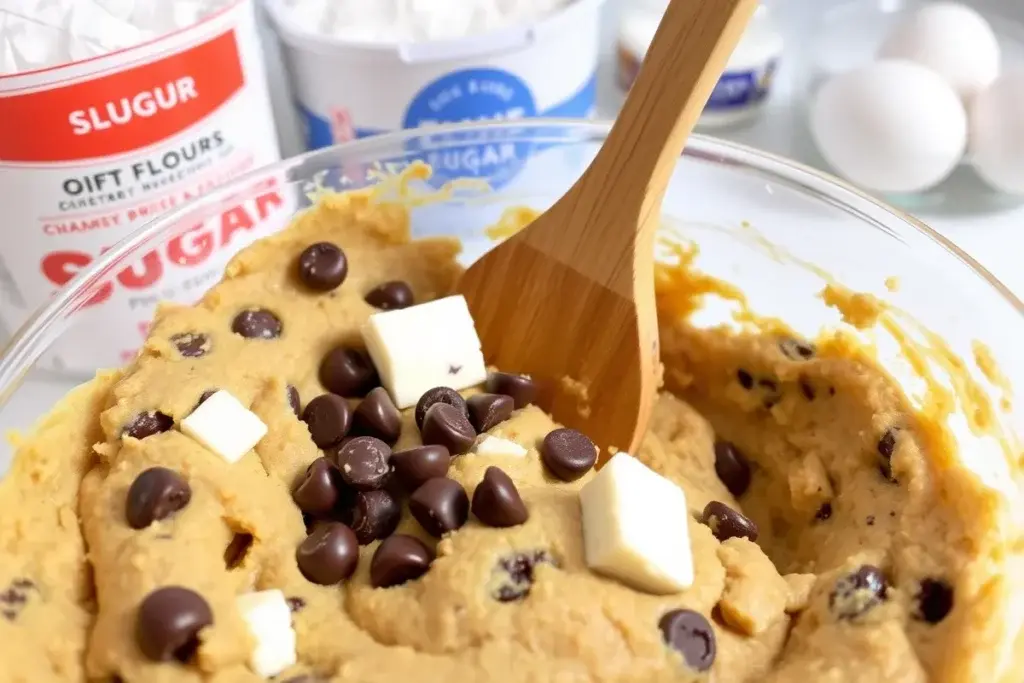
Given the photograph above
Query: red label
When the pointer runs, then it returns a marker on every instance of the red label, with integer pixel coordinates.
(123, 111)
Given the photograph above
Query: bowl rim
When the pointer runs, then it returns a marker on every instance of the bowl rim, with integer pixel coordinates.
(21, 352)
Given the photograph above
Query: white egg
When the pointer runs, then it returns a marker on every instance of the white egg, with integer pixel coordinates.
(951, 39)
(891, 126)
(997, 133)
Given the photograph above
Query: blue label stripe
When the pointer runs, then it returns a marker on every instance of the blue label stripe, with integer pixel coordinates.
(742, 88)
(318, 129)
(460, 155)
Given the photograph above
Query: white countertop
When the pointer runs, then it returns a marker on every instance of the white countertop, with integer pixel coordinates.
(995, 239)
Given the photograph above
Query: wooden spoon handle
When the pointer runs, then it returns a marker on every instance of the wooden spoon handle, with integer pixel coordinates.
(690, 50)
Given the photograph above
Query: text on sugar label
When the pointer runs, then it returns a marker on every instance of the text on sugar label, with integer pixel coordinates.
(120, 112)
(190, 249)
(116, 113)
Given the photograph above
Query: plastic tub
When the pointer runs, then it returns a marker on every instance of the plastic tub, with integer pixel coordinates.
(346, 90)
(93, 149)
(776, 229)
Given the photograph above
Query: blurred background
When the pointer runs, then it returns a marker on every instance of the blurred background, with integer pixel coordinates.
(793, 50)
(919, 102)
(113, 112)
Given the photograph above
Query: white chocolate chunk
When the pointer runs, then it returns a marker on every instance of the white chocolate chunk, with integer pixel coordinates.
(225, 426)
(635, 527)
(269, 620)
(495, 445)
(426, 346)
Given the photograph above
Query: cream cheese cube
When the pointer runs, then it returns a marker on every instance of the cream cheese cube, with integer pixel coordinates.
(225, 426)
(269, 620)
(495, 445)
(421, 347)
(635, 527)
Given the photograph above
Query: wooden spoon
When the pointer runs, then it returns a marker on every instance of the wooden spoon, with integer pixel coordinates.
(569, 300)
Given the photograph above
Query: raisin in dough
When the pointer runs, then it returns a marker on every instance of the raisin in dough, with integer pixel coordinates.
(515, 604)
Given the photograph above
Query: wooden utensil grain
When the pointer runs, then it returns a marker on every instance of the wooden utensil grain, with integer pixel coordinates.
(569, 299)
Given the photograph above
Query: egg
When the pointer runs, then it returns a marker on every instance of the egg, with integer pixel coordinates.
(997, 133)
(951, 39)
(891, 126)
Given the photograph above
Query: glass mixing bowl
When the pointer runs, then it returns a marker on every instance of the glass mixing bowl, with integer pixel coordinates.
(776, 229)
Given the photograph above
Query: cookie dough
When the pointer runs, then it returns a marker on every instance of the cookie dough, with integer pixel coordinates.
(877, 556)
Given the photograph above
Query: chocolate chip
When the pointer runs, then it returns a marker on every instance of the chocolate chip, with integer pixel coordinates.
(375, 515)
(726, 523)
(568, 454)
(795, 349)
(328, 418)
(376, 415)
(496, 500)
(295, 604)
(147, 424)
(168, 623)
(488, 410)
(521, 388)
(824, 512)
(12, 596)
(257, 323)
(348, 372)
(416, 465)
(870, 521)
(191, 344)
(155, 494)
(447, 426)
(398, 559)
(15, 597)
(772, 395)
(390, 296)
(857, 592)
(689, 633)
(440, 505)
(732, 467)
(886, 447)
(364, 463)
(887, 444)
(745, 379)
(318, 492)
(328, 555)
(934, 601)
(237, 550)
(439, 395)
(807, 389)
(516, 574)
(294, 400)
(322, 266)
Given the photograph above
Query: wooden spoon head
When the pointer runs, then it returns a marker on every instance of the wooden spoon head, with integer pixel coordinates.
(592, 349)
